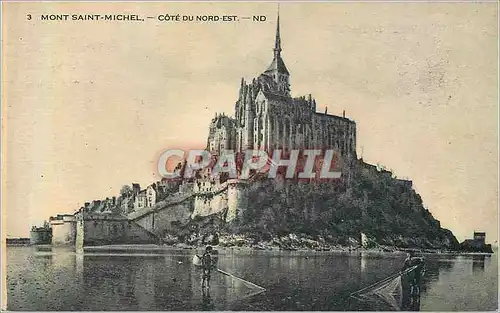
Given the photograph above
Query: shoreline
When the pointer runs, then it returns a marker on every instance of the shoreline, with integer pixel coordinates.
(350, 250)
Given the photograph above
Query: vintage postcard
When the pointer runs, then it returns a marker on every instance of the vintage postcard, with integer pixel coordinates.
(249, 156)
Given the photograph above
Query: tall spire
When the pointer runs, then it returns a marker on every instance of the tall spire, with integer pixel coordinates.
(278, 63)
(277, 71)
(277, 43)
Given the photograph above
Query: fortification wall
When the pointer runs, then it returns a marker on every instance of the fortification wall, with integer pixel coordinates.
(80, 234)
(210, 197)
(228, 196)
(40, 237)
(150, 224)
(160, 220)
(207, 204)
(236, 199)
(63, 231)
(114, 231)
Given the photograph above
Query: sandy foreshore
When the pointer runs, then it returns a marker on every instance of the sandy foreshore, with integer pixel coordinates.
(159, 248)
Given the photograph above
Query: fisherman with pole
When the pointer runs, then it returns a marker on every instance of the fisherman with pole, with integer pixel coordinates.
(206, 265)
(208, 262)
(416, 274)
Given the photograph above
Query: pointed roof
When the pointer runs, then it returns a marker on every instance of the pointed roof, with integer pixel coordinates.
(277, 64)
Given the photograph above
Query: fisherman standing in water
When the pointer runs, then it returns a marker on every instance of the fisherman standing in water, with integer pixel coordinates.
(416, 274)
(206, 265)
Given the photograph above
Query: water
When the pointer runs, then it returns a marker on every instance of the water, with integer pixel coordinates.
(59, 279)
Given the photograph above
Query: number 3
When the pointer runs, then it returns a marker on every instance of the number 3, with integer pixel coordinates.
(29, 17)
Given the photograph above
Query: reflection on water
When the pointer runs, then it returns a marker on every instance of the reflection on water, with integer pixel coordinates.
(411, 302)
(363, 257)
(59, 279)
(208, 304)
(478, 262)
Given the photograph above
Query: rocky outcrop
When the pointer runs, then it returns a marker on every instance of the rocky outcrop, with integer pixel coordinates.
(325, 215)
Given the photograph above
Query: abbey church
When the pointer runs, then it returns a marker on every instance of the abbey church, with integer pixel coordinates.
(267, 117)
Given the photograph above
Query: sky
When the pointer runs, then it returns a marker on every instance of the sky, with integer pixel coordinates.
(88, 106)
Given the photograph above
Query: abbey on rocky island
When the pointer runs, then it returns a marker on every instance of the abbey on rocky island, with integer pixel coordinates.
(266, 118)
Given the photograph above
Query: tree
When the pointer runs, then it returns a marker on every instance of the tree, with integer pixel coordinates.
(126, 190)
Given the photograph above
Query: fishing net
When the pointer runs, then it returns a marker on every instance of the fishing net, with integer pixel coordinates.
(389, 291)
(225, 288)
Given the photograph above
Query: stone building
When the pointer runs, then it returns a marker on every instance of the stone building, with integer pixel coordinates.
(222, 133)
(41, 235)
(267, 117)
(151, 192)
(147, 197)
(478, 241)
(140, 200)
(477, 244)
(480, 238)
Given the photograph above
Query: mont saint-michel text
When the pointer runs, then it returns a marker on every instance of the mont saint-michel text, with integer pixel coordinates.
(167, 17)
(90, 17)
